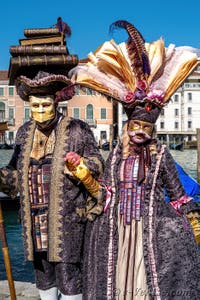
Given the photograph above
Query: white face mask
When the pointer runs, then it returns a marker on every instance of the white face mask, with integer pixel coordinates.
(42, 107)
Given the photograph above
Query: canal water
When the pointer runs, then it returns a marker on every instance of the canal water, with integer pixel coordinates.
(22, 270)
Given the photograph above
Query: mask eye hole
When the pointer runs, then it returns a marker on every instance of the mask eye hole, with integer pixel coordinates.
(46, 104)
(35, 105)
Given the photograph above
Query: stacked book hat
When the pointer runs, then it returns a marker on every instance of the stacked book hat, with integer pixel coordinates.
(45, 84)
(42, 49)
(142, 76)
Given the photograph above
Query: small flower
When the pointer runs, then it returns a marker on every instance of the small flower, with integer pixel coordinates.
(141, 85)
(156, 94)
(139, 94)
(129, 97)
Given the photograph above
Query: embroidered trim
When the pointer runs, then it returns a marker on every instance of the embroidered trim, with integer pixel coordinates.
(108, 197)
(27, 224)
(111, 246)
(56, 188)
(150, 246)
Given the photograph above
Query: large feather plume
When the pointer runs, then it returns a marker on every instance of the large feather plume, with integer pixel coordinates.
(136, 50)
(116, 69)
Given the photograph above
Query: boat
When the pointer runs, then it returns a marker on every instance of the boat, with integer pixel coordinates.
(6, 146)
(176, 146)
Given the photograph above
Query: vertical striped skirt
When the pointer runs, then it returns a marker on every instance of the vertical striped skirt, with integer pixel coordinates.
(130, 276)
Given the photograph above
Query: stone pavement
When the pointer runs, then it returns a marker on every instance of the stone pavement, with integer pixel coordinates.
(24, 291)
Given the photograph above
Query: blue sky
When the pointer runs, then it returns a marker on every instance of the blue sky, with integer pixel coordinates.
(176, 21)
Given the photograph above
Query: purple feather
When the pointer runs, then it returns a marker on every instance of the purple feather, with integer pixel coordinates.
(122, 24)
(146, 64)
(63, 27)
(136, 49)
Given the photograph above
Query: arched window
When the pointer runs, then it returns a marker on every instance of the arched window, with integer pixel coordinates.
(89, 112)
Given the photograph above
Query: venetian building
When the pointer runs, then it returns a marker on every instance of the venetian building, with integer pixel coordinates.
(13, 111)
(177, 123)
(180, 119)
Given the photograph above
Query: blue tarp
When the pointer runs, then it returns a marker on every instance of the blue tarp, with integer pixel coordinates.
(191, 186)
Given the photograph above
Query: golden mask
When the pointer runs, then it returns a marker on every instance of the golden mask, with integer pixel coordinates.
(140, 126)
(42, 107)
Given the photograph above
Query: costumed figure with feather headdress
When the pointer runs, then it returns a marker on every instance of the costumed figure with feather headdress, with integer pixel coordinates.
(141, 247)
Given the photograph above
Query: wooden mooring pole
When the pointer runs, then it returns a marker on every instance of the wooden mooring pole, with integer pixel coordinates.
(198, 155)
(6, 257)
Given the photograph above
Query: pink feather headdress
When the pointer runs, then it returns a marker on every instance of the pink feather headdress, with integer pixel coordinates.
(136, 73)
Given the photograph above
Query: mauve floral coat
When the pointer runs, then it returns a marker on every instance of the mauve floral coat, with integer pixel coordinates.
(170, 252)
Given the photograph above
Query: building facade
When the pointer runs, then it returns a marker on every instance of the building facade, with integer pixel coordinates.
(177, 123)
(87, 105)
(96, 110)
(179, 120)
(13, 111)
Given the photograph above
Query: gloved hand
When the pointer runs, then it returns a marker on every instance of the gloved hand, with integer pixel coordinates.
(194, 219)
(76, 165)
(72, 160)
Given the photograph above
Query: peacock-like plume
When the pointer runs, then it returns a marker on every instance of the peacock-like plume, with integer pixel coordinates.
(136, 50)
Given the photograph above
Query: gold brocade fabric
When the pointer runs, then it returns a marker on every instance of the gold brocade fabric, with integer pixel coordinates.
(42, 144)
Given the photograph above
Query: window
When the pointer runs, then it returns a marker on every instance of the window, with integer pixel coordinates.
(76, 113)
(11, 116)
(77, 90)
(176, 98)
(162, 113)
(1, 91)
(11, 113)
(89, 112)
(2, 111)
(26, 113)
(162, 125)
(103, 135)
(11, 91)
(189, 110)
(103, 113)
(11, 137)
(176, 112)
(63, 110)
(189, 124)
(189, 96)
(89, 91)
(176, 125)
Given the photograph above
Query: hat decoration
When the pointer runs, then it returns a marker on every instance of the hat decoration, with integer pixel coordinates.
(63, 27)
(45, 83)
(142, 76)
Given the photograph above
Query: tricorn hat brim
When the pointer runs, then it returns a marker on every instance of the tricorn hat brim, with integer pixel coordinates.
(43, 83)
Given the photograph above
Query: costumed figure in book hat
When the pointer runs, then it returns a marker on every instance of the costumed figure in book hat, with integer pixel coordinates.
(48, 150)
(141, 247)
